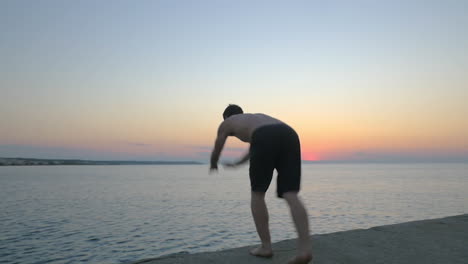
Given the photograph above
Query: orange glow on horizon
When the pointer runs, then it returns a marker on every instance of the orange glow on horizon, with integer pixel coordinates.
(310, 156)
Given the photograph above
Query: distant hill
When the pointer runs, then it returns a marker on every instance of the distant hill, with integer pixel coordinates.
(29, 161)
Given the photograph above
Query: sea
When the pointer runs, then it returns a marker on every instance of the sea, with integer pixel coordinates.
(125, 213)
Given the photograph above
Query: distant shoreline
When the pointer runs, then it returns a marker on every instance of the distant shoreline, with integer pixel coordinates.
(55, 162)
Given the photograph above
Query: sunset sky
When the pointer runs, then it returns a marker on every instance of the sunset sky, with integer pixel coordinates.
(149, 80)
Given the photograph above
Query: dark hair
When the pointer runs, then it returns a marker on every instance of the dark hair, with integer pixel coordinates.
(232, 109)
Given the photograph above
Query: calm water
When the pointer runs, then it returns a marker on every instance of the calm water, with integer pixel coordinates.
(116, 214)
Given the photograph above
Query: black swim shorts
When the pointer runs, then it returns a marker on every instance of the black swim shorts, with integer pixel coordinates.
(275, 147)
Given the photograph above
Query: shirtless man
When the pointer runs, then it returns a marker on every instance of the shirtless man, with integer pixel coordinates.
(273, 145)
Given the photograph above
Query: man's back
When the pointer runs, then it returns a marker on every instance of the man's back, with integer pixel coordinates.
(242, 126)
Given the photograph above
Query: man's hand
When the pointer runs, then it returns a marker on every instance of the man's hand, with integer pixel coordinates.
(213, 169)
(223, 133)
(230, 165)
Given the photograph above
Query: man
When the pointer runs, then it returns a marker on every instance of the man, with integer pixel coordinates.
(273, 145)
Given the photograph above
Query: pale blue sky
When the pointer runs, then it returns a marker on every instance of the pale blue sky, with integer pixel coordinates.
(72, 66)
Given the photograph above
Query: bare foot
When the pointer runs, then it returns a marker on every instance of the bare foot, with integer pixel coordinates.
(301, 259)
(261, 252)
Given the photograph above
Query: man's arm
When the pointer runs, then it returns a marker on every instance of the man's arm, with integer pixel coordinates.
(244, 159)
(219, 144)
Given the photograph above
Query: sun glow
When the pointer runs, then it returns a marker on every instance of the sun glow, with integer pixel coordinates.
(310, 156)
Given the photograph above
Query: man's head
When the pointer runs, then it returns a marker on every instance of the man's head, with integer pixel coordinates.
(232, 110)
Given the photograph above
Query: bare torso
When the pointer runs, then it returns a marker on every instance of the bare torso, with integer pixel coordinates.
(242, 126)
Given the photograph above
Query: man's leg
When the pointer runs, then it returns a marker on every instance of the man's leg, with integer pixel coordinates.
(260, 216)
(299, 215)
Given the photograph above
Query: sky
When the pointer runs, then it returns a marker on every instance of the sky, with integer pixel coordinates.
(360, 81)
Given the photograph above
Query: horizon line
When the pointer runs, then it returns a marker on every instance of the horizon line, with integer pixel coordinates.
(198, 162)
